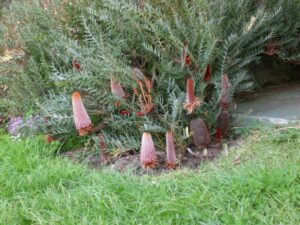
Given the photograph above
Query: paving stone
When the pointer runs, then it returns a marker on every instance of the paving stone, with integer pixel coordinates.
(278, 104)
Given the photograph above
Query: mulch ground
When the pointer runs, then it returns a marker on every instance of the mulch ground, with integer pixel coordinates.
(191, 159)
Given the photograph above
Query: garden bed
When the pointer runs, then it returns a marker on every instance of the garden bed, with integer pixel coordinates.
(130, 160)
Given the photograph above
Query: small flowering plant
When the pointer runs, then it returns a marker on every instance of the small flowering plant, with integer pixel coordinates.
(14, 125)
(18, 127)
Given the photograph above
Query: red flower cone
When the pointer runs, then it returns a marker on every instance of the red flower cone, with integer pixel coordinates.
(140, 114)
(187, 61)
(49, 138)
(82, 120)
(117, 89)
(76, 64)
(148, 157)
(124, 112)
(191, 101)
(207, 75)
(218, 134)
(170, 149)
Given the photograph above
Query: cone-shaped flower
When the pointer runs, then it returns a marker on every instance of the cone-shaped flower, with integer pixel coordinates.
(207, 74)
(225, 95)
(187, 61)
(224, 123)
(201, 136)
(148, 155)
(191, 100)
(116, 88)
(170, 149)
(82, 120)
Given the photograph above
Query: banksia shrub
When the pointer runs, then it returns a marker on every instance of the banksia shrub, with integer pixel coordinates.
(148, 157)
(150, 50)
(82, 120)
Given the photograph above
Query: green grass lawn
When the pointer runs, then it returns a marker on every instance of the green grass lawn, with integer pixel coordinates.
(36, 187)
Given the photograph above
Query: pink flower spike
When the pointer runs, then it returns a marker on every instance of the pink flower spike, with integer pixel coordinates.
(117, 89)
(225, 95)
(225, 82)
(170, 149)
(191, 101)
(82, 120)
(148, 157)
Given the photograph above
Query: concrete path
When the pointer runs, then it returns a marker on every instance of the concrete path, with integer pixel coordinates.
(277, 104)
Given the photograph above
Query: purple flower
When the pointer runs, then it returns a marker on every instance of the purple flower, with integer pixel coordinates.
(14, 124)
(17, 124)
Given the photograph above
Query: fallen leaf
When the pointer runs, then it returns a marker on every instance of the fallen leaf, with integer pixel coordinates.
(237, 160)
(191, 152)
